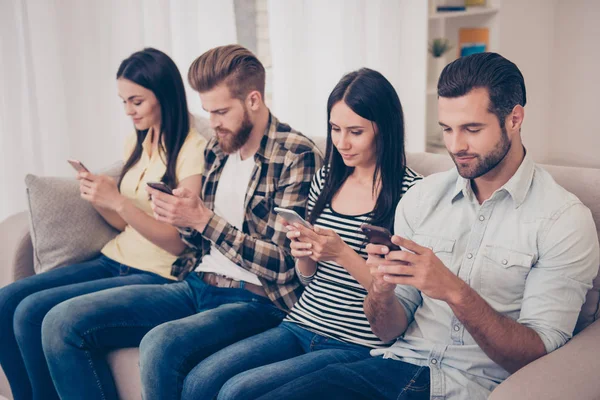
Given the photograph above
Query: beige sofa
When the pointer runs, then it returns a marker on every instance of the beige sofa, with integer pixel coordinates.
(568, 373)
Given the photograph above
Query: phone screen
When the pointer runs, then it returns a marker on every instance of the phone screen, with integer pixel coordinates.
(291, 216)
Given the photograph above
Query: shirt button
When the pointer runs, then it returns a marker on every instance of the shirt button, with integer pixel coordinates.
(504, 262)
(456, 328)
(433, 361)
(469, 256)
(481, 218)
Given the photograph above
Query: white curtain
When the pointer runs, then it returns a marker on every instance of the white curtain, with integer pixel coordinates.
(58, 61)
(314, 42)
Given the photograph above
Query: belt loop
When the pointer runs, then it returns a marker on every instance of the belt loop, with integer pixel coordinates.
(242, 284)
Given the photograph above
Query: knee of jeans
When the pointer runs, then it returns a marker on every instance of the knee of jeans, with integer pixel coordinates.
(158, 347)
(236, 387)
(29, 314)
(10, 298)
(58, 329)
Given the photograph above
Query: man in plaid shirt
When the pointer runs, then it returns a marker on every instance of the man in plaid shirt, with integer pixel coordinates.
(237, 279)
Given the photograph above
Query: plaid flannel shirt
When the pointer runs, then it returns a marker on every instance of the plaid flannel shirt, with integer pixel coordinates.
(284, 167)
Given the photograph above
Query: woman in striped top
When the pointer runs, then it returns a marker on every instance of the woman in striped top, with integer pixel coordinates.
(365, 178)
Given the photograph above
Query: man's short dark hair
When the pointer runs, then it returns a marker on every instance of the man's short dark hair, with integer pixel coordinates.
(501, 77)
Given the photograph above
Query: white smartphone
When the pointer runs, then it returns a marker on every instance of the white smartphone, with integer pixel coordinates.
(292, 216)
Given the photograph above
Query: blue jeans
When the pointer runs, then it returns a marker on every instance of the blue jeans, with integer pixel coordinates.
(180, 323)
(373, 378)
(24, 304)
(256, 365)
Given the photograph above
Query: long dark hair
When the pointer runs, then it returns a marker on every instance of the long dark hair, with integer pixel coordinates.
(370, 95)
(154, 70)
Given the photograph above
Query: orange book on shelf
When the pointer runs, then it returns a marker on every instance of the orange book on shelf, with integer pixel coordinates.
(473, 40)
(470, 3)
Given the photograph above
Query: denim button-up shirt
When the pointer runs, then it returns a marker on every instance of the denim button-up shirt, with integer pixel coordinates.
(530, 251)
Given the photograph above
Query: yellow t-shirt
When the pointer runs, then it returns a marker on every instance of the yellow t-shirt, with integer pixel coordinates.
(130, 247)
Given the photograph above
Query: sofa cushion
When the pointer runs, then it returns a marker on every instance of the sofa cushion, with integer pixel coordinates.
(64, 228)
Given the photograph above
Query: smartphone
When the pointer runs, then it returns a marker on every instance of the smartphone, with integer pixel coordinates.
(291, 216)
(163, 187)
(379, 235)
(78, 166)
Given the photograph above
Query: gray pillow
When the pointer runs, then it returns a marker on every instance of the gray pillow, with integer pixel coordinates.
(64, 228)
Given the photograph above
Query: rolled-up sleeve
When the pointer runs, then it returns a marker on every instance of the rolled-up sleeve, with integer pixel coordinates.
(558, 282)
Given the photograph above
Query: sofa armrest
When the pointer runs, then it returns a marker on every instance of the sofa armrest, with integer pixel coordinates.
(567, 373)
(16, 249)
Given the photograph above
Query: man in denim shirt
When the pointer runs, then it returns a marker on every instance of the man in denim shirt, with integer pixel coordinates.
(496, 265)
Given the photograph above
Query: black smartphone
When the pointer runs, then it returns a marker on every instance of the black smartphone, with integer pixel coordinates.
(379, 235)
(163, 187)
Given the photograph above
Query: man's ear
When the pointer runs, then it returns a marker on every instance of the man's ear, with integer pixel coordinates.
(515, 119)
(254, 100)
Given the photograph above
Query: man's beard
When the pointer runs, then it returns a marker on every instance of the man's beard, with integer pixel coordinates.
(484, 164)
(234, 141)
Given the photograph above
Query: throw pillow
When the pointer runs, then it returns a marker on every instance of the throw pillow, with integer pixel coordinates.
(64, 228)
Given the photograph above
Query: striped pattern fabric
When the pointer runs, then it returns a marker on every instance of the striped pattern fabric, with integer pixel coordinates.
(332, 303)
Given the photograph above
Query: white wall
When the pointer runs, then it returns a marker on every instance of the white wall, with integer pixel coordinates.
(527, 39)
(314, 43)
(575, 110)
(555, 44)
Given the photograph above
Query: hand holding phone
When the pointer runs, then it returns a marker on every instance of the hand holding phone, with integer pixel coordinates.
(78, 166)
(163, 187)
(379, 235)
(292, 216)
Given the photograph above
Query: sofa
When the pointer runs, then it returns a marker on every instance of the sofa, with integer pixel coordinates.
(567, 373)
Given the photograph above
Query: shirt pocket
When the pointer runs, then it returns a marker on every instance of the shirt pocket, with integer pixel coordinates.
(504, 273)
(443, 248)
(260, 209)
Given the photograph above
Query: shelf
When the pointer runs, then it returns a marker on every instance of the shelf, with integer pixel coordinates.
(468, 12)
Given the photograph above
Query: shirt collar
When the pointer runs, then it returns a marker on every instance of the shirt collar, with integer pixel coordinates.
(147, 147)
(517, 186)
(268, 141)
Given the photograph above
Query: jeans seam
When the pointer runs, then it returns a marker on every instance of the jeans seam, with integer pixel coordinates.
(121, 325)
(413, 379)
(91, 363)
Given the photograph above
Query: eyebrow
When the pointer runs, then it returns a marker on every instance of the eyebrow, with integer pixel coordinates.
(217, 110)
(348, 127)
(468, 125)
(132, 97)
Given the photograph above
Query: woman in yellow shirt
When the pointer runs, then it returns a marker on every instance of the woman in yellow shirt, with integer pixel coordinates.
(163, 148)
